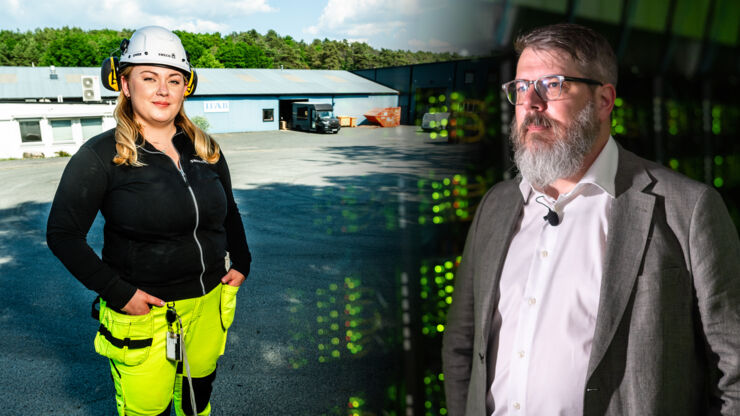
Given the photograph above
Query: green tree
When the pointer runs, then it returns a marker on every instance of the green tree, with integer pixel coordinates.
(207, 60)
(72, 47)
(241, 55)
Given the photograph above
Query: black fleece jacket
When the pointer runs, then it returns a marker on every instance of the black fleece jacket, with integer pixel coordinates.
(166, 230)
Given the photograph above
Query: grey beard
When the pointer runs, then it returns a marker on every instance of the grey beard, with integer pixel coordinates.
(546, 161)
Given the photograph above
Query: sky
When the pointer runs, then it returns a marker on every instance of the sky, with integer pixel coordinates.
(462, 26)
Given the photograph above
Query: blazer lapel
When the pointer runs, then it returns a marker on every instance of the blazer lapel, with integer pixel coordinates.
(629, 226)
(504, 218)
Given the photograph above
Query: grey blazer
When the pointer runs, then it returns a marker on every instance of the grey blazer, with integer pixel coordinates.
(667, 337)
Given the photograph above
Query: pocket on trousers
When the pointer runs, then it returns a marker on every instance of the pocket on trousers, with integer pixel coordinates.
(124, 339)
(228, 305)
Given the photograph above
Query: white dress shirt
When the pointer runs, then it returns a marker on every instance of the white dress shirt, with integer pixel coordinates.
(549, 294)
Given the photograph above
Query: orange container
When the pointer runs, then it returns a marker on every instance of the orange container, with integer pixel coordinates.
(385, 117)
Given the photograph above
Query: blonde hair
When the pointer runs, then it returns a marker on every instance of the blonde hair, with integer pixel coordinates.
(128, 133)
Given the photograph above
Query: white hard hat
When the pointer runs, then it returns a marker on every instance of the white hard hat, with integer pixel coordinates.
(155, 45)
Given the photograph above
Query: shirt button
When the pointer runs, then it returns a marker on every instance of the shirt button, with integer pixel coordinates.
(517, 406)
(543, 253)
(532, 301)
(521, 354)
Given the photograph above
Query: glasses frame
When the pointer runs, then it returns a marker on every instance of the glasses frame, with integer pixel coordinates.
(560, 78)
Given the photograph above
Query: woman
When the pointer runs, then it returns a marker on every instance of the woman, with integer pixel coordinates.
(163, 187)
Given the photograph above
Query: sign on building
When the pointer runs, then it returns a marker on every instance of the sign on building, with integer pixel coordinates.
(215, 106)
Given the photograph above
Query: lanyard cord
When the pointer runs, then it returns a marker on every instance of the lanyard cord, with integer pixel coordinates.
(171, 316)
(187, 367)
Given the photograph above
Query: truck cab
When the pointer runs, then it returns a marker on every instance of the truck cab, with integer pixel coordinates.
(314, 117)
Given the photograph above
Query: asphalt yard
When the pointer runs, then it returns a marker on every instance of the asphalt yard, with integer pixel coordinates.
(338, 226)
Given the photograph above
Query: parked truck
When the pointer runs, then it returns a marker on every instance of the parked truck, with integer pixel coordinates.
(314, 117)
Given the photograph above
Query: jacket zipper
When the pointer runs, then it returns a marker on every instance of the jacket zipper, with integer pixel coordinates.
(197, 223)
(197, 215)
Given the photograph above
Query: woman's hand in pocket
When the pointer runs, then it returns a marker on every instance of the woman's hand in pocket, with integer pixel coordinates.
(233, 278)
(139, 303)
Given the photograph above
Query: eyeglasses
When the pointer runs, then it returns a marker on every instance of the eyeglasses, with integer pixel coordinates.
(547, 87)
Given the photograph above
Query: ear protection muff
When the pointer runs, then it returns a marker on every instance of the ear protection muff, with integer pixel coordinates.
(192, 83)
(109, 71)
(109, 74)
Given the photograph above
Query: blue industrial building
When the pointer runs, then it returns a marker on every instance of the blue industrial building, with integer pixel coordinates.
(232, 100)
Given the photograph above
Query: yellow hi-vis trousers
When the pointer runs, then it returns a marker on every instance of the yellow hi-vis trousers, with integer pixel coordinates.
(146, 381)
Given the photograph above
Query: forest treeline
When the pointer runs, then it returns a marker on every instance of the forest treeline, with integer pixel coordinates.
(76, 47)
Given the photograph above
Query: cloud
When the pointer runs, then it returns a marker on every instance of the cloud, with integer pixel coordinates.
(390, 23)
(198, 16)
(364, 17)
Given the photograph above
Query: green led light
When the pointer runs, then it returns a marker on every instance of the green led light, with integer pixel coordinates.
(319, 319)
(454, 96)
(435, 195)
(614, 122)
(442, 98)
(422, 220)
(333, 286)
(432, 100)
(441, 377)
(435, 209)
(335, 354)
(718, 182)
(449, 289)
(334, 327)
(335, 341)
(618, 102)
(321, 347)
(425, 331)
(439, 280)
(432, 124)
(433, 135)
(438, 269)
(424, 281)
(442, 411)
(446, 181)
(619, 129)
(673, 163)
(428, 404)
(449, 275)
(427, 380)
(443, 122)
(437, 220)
(440, 328)
(718, 160)
(448, 265)
(441, 293)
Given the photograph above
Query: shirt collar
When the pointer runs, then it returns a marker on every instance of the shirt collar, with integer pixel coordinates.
(601, 173)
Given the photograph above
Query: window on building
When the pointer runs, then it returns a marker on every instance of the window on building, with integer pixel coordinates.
(30, 131)
(469, 77)
(268, 114)
(302, 113)
(91, 127)
(61, 130)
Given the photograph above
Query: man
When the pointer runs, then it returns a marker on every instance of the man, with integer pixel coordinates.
(625, 298)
